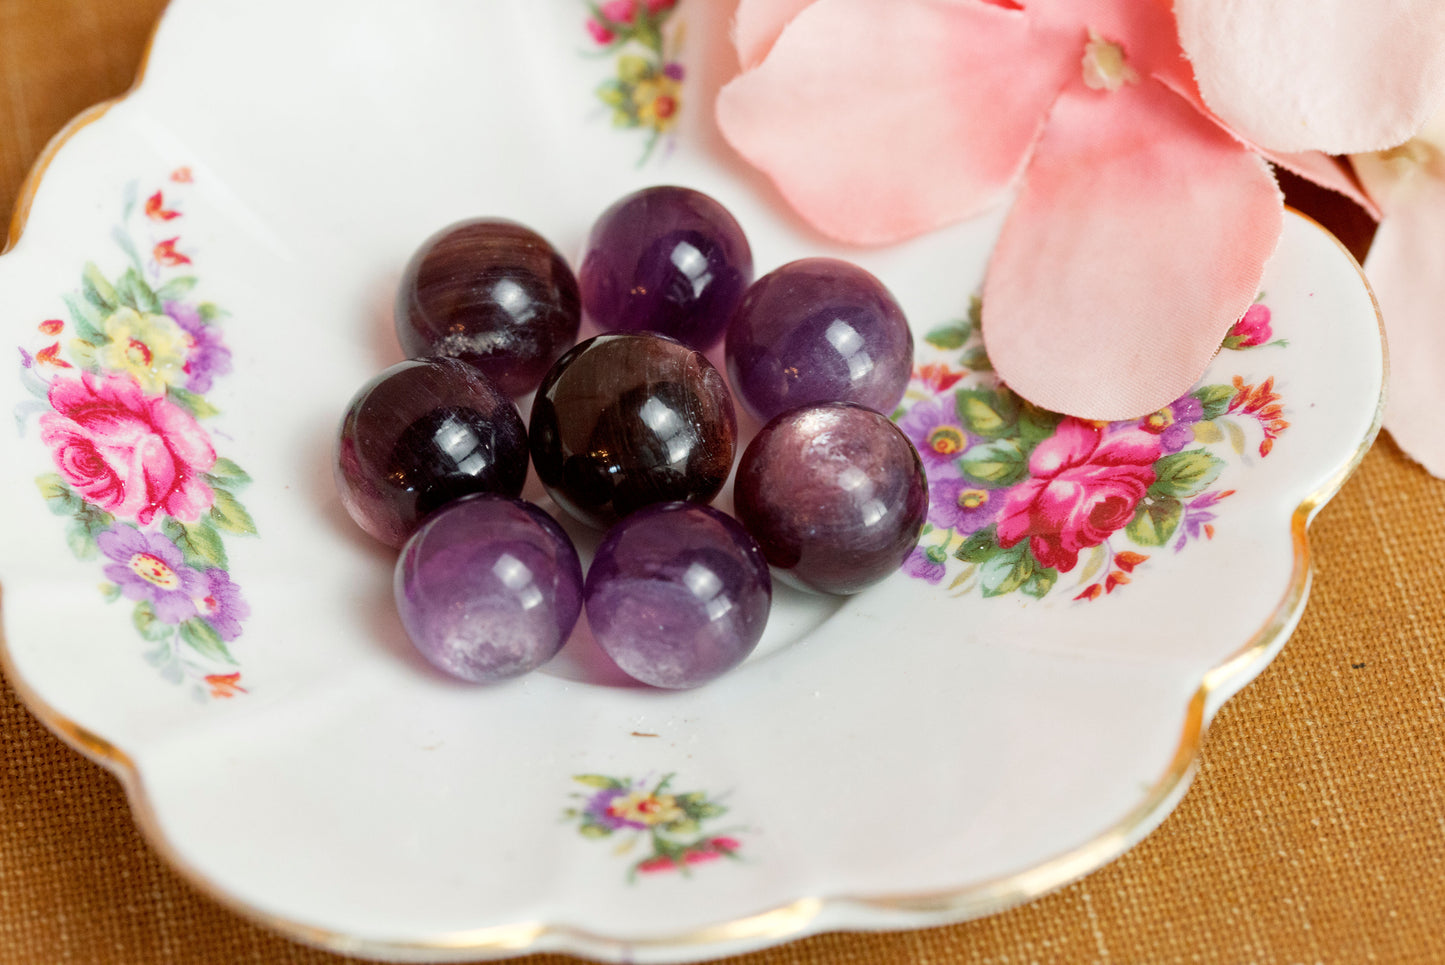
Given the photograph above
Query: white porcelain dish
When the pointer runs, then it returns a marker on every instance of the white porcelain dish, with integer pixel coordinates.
(961, 738)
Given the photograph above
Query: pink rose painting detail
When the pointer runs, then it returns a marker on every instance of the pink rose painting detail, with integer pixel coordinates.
(1131, 139)
(129, 454)
(1022, 499)
(118, 393)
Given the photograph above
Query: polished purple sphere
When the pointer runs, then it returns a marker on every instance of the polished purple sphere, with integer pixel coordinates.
(623, 421)
(678, 594)
(667, 260)
(834, 494)
(493, 293)
(420, 434)
(818, 330)
(488, 588)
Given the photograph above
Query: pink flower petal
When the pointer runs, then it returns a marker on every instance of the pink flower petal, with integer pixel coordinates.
(1315, 166)
(1404, 268)
(756, 26)
(1138, 239)
(878, 128)
(1331, 75)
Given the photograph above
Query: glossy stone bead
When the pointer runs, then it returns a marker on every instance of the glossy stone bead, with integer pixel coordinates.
(494, 293)
(488, 587)
(834, 494)
(623, 421)
(668, 260)
(678, 594)
(420, 434)
(818, 330)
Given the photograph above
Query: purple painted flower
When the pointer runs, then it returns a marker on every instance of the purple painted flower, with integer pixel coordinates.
(925, 564)
(673, 69)
(601, 807)
(1174, 424)
(150, 567)
(209, 356)
(962, 506)
(222, 604)
(933, 427)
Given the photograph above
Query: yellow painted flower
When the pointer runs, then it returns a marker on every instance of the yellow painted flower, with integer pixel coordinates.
(657, 99)
(150, 347)
(647, 809)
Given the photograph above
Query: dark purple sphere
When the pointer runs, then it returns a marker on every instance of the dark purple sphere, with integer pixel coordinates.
(623, 421)
(678, 594)
(834, 494)
(420, 434)
(488, 588)
(818, 330)
(491, 292)
(667, 260)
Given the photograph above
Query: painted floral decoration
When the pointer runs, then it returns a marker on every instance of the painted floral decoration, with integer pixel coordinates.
(120, 404)
(1130, 138)
(646, 92)
(669, 824)
(1020, 498)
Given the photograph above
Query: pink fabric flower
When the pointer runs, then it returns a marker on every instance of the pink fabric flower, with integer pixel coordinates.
(1132, 135)
(1083, 487)
(1404, 268)
(131, 454)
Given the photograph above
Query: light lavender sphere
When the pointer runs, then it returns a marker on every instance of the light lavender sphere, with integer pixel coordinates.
(488, 588)
(678, 594)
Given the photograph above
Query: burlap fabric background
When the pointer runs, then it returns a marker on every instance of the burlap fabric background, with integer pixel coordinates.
(1315, 831)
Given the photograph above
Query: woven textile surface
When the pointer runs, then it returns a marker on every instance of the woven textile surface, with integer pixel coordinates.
(1314, 832)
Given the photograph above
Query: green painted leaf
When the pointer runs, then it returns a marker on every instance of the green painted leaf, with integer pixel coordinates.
(1215, 399)
(149, 625)
(1207, 432)
(1155, 521)
(97, 290)
(227, 473)
(195, 404)
(109, 592)
(975, 312)
(228, 513)
(1036, 425)
(1185, 474)
(685, 826)
(593, 831)
(81, 540)
(979, 547)
(1007, 570)
(209, 312)
(122, 240)
(598, 780)
(1092, 565)
(88, 322)
(176, 287)
(964, 575)
(988, 413)
(1040, 583)
(133, 291)
(199, 542)
(200, 636)
(976, 359)
(53, 489)
(1235, 433)
(996, 463)
(951, 336)
(83, 354)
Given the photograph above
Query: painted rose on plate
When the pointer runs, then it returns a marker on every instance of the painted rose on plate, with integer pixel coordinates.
(1023, 498)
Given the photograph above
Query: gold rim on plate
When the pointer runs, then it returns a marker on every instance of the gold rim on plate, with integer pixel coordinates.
(786, 921)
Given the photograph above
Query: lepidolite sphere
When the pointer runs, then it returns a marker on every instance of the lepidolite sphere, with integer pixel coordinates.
(678, 594)
(488, 588)
(834, 494)
(623, 421)
(420, 434)
(818, 330)
(493, 293)
(668, 260)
